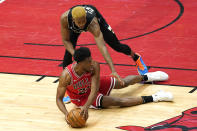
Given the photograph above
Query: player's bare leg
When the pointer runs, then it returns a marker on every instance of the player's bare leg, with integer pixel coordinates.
(132, 101)
(129, 80)
(121, 102)
(148, 77)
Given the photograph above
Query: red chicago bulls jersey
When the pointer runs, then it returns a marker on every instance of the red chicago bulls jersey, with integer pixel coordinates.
(80, 85)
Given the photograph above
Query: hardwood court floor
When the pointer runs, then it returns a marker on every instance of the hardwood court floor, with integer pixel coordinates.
(26, 105)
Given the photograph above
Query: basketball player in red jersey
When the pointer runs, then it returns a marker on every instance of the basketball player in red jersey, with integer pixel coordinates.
(86, 88)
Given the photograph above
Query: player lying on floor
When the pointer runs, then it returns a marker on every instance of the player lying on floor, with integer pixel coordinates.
(86, 88)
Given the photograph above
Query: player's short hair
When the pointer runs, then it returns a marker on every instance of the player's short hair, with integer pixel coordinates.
(78, 12)
(81, 54)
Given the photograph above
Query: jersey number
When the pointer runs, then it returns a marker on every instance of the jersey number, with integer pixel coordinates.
(83, 90)
(89, 10)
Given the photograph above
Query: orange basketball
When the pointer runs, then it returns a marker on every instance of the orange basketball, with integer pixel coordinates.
(75, 119)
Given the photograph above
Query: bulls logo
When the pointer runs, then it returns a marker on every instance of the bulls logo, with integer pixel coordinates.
(185, 122)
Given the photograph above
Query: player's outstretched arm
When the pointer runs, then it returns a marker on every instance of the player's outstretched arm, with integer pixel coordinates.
(95, 84)
(66, 34)
(64, 81)
(94, 28)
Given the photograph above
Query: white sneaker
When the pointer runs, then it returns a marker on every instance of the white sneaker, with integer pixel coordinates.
(162, 96)
(157, 76)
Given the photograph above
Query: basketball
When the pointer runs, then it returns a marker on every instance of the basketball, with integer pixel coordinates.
(75, 119)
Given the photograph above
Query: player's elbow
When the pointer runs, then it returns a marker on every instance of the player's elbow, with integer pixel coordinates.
(58, 100)
(66, 43)
(58, 97)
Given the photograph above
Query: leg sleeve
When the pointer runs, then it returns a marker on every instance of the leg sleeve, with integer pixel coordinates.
(111, 39)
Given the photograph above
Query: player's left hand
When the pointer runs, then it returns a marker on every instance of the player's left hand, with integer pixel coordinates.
(115, 74)
(84, 112)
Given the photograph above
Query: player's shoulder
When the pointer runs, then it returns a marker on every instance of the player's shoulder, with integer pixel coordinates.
(64, 16)
(94, 22)
(65, 76)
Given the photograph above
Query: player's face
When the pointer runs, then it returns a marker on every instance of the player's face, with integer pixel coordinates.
(87, 64)
(80, 22)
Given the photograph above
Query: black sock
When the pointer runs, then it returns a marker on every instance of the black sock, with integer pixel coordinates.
(147, 99)
(144, 77)
(135, 58)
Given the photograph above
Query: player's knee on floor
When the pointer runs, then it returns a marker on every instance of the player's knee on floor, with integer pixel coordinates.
(118, 85)
(130, 80)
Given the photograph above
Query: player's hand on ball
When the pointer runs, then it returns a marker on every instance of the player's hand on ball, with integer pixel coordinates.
(84, 112)
(115, 74)
(66, 118)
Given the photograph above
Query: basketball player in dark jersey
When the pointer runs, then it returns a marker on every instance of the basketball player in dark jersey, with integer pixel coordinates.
(83, 18)
(87, 88)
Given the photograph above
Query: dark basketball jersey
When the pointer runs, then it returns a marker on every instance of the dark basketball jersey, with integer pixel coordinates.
(91, 12)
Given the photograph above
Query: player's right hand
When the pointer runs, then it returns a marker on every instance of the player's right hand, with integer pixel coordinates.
(84, 112)
(115, 74)
(66, 116)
